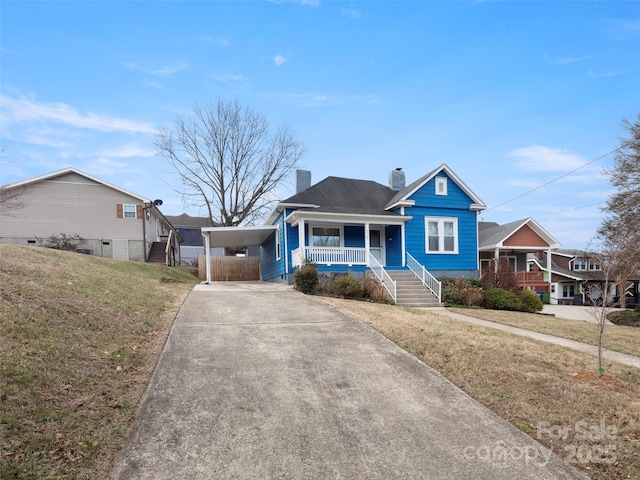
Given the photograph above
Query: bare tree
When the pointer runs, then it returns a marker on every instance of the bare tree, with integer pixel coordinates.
(228, 161)
(619, 233)
(598, 296)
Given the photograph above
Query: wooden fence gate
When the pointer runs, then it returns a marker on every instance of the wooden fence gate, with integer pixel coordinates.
(230, 269)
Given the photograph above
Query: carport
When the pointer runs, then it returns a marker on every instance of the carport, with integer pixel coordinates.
(233, 237)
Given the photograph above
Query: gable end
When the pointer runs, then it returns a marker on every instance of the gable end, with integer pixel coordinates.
(525, 237)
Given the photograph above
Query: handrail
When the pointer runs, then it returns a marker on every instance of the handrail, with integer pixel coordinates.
(428, 280)
(387, 282)
(167, 249)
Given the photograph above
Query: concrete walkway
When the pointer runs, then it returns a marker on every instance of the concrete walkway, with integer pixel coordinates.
(622, 358)
(258, 382)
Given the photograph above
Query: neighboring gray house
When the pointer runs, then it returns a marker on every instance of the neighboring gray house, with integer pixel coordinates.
(113, 222)
(189, 229)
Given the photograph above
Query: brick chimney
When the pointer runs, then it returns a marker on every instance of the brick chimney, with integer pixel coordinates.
(396, 179)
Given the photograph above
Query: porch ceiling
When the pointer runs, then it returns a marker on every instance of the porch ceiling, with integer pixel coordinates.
(238, 236)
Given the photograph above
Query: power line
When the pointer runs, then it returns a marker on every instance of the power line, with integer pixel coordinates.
(556, 179)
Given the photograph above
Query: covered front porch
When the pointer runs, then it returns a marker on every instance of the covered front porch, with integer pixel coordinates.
(348, 241)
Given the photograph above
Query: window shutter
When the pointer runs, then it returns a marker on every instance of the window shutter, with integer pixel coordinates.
(138, 211)
(119, 210)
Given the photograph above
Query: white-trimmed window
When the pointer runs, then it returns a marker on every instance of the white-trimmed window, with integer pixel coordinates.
(568, 291)
(442, 234)
(129, 210)
(441, 185)
(278, 247)
(326, 236)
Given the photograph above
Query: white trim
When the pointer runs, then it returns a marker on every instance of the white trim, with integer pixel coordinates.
(478, 204)
(132, 207)
(297, 215)
(441, 186)
(278, 244)
(65, 171)
(441, 221)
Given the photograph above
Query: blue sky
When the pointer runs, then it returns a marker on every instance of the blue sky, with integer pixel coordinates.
(510, 95)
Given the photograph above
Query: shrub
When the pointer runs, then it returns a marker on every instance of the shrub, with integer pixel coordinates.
(471, 296)
(499, 299)
(461, 291)
(62, 241)
(306, 279)
(628, 318)
(530, 301)
(347, 287)
(373, 288)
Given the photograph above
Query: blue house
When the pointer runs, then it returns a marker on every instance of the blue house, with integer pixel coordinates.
(429, 227)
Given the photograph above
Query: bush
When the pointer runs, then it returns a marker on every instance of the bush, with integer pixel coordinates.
(627, 318)
(499, 299)
(347, 287)
(372, 288)
(62, 241)
(461, 291)
(306, 279)
(530, 301)
(471, 296)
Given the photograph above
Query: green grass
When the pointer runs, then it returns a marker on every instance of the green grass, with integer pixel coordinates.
(81, 336)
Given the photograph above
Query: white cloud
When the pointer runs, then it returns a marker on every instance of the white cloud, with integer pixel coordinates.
(538, 158)
(161, 71)
(229, 78)
(127, 151)
(351, 12)
(279, 60)
(28, 110)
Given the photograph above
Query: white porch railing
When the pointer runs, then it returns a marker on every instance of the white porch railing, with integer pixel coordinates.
(428, 280)
(387, 282)
(329, 255)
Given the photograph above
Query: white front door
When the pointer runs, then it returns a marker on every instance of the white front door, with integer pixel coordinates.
(376, 244)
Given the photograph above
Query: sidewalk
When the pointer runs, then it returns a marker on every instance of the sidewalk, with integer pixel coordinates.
(622, 358)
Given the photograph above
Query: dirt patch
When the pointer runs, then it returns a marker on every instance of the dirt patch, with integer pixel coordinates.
(602, 381)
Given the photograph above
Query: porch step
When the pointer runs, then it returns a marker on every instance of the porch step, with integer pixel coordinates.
(410, 292)
(157, 253)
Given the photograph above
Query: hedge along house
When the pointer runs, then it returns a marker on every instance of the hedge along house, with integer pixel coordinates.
(429, 228)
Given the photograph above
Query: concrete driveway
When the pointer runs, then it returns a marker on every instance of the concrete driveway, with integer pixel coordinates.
(259, 381)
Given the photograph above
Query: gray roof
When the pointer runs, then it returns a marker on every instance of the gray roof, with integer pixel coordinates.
(345, 195)
(187, 221)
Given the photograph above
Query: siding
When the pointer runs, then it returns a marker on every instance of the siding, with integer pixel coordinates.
(270, 267)
(525, 237)
(455, 205)
(71, 204)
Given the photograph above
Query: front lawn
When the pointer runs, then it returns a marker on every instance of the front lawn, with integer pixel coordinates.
(543, 389)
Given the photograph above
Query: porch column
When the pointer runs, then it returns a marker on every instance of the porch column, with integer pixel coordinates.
(367, 244)
(301, 246)
(404, 250)
(496, 258)
(549, 270)
(207, 256)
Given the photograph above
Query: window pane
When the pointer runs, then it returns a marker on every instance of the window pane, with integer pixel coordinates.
(326, 237)
(449, 244)
(448, 229)
(129, 211)
(433, 228)
(434, 244)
